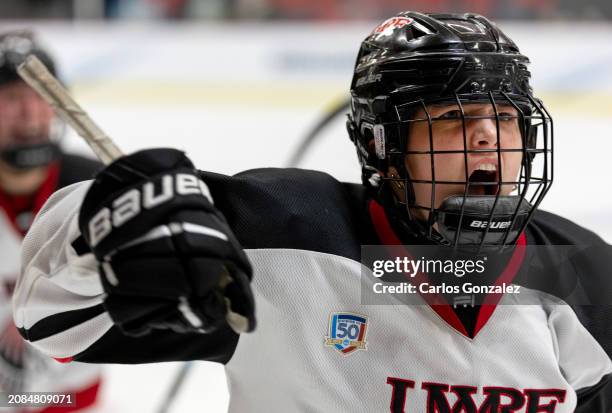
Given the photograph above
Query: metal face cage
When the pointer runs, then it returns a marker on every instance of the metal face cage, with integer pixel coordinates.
(484, 208)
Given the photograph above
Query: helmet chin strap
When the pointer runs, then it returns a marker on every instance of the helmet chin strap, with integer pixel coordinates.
(481, 220)
(463, 222)
(23, 157)
(409, 229)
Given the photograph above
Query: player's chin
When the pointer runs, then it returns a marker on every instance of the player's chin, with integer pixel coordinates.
(447, 192)
(508, 189)
(492, 189)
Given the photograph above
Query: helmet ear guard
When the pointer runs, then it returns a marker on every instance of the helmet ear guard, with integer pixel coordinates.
(369, 139)
(370, 176)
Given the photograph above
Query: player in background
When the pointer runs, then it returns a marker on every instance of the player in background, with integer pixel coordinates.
(448, 132)
(32, 167)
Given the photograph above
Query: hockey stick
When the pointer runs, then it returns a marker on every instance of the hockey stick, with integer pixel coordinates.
(339, 106)
(35, 74)
(175, 386)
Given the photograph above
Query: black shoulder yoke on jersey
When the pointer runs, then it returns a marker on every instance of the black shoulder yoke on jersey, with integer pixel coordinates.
(293, 208)
(589, 269)
(76, 168)
(588, 274)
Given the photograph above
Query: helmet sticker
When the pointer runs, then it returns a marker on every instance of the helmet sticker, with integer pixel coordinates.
(387, 27)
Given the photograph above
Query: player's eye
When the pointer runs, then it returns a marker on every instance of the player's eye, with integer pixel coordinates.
(506, 116)
(451, 114)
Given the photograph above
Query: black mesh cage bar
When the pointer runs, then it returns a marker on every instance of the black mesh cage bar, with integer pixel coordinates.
(500, 174)
(509, 200)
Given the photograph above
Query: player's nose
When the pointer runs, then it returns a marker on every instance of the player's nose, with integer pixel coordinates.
(483, 133)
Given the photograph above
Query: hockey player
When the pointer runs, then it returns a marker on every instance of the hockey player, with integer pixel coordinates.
(31, 168)
(139, 265)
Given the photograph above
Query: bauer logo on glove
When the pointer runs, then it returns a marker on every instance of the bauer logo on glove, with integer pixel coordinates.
(133, 201)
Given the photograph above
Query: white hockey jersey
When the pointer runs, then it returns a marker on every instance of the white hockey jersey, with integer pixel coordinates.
(302, 231)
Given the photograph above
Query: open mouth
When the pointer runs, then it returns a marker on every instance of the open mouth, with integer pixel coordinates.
(484, 180)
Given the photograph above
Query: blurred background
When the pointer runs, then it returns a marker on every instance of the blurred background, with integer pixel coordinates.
(239, 83)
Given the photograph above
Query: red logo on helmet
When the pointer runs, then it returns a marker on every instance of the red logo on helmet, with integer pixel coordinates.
(391, 24)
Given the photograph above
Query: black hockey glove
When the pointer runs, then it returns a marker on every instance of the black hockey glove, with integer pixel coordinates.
(168, 258)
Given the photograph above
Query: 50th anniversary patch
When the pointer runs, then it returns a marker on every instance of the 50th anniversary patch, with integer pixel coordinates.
(347, 332)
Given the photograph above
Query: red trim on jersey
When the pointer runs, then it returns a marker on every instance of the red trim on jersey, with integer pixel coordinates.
(13, 205)
(48, 186)
(63, 360)
(388, 237)
(490, 302)
(436, 301)
(83, 399)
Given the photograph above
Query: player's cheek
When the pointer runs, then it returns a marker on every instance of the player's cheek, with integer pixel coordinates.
(512, 165)
(7, 130)
(450, 175)
(45, 112)
(447, 132)
(418, 166)
(511, 136)
(451, 166)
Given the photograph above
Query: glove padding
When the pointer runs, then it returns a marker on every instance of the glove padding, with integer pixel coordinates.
(167, 256)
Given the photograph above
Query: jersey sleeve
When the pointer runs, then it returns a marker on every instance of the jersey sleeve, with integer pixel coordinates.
(592, 304)
(58, 300)
(58, 303)
(583, 362)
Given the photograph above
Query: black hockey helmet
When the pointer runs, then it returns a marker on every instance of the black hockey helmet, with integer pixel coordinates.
(15, 46)
(415, 60)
